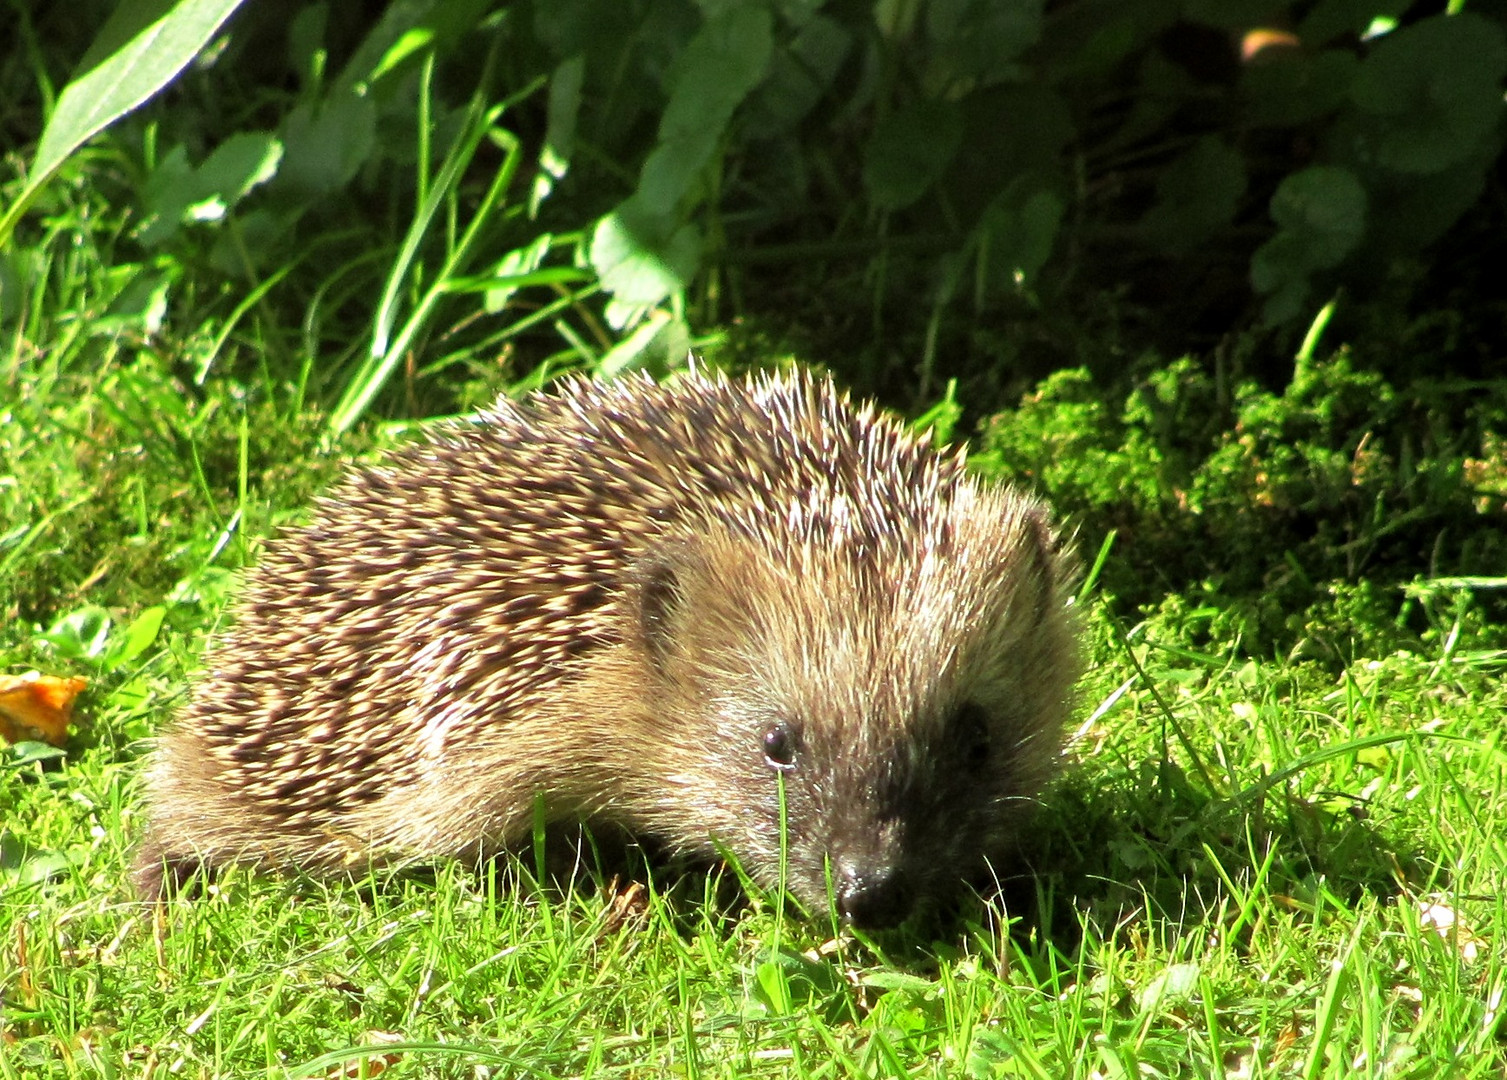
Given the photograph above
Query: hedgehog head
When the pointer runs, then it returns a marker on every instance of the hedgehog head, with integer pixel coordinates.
(861, 734)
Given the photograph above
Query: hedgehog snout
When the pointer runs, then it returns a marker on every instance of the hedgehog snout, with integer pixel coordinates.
(872, 897)
(874, 883)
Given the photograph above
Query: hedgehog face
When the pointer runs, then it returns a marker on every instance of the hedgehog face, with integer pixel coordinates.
(902, 723)
(875, 826)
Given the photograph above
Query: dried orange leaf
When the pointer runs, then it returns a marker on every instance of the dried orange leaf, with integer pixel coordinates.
(625, 906)
(370, 1064)
(37, 706)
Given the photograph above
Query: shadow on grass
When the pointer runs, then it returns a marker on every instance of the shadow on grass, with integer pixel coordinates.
(1111, 852)
(1107, 853)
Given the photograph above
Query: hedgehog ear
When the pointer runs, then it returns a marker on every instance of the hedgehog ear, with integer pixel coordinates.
(660, 596)
(1047, 553)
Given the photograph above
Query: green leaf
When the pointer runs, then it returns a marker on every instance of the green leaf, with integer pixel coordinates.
(642, 258)
(990, 1054)
(139, 637)
(909, 151)
(1172, 986)
(141, 306)
(1296, 88)
(1326, 207)
(1417, 212)
(29, 752)
(718, 69)
(410, 43)
(143, 46)
(1018, 232)
(1432, 92)
(1197, 195)
(899, 980)
(46, 866)
(799, 74)
(327, 142)
(977, 40)
(81, 634)
(513, 268)
(1321, 217)
(638, 350)
(178, 194)
(786, 980)
(1330, 19)
(560, 133)
(644, 251)
(771, 988)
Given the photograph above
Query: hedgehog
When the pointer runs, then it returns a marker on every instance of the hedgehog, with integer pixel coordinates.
(735, 617)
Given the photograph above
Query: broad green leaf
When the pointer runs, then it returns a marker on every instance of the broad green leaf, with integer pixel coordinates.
(644, 251)
(1326, 207)
(177, 193)
(1330, 19)
(642, 258)
(718, 69)
(327, 142)
(560, 133)
(909, 151)
(513, 269)
(146, 43)
(1172, 986)
(1197, 195)
(1017, 233)
(139, 637)
(990, 1054)
(1432, 92)
(979, 40)
(142, 305)
(799, 74)
(28, 752)
(1297, 87)
(1321, 217)
(1418, 212)
(81, 634)
(240, 163)
(410, 43)
(634, 350)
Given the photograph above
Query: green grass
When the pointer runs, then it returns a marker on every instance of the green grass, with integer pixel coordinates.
(1255, 867)
(1182, 923)
(1242, 875)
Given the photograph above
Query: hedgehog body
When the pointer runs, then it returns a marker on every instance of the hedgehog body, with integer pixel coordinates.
(669, 608)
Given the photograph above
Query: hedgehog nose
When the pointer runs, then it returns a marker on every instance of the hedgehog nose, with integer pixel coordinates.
(872, 898)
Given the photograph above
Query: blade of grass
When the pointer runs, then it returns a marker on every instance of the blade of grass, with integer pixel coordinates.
(385, 354)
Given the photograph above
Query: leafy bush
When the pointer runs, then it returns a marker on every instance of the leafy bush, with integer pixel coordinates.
(486, 172)
(1297, 517)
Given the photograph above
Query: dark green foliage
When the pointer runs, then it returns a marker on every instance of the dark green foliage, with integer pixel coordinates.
(1290, 520)
(926, 162)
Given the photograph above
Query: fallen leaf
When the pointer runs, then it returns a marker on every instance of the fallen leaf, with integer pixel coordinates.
(1436, 915)
(37, 706)
(369, 1064)
(625, 907)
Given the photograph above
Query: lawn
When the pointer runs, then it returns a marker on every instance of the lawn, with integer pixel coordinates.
(1253, 866)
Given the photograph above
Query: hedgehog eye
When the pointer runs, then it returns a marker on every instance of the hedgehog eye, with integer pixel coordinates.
(780, 745)
(970, 730)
